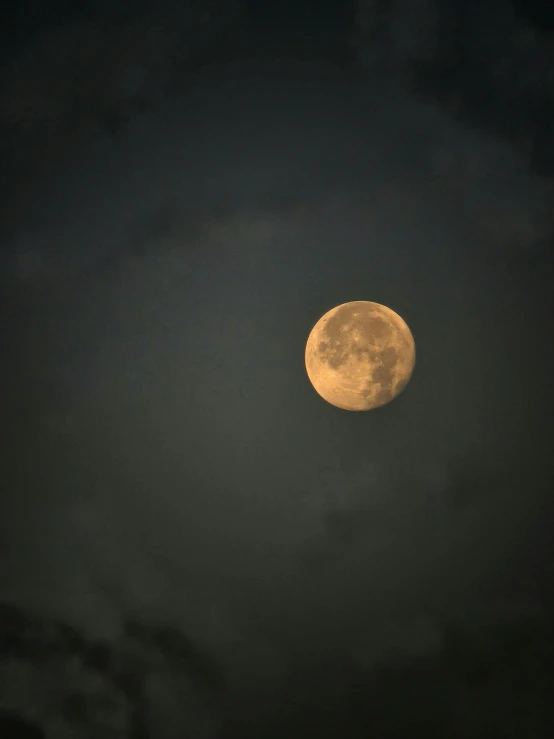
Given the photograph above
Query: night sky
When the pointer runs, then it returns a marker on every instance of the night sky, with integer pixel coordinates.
(165, 457)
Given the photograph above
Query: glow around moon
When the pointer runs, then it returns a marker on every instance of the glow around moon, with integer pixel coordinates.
(360, 356)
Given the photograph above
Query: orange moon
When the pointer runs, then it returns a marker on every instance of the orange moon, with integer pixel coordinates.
(360, 356)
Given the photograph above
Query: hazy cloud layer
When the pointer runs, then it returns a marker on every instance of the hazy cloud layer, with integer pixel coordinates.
(167, 456)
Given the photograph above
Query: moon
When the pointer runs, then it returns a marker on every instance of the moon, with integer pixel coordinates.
(360, 355)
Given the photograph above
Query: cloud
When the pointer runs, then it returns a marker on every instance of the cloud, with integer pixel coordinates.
(182, 465)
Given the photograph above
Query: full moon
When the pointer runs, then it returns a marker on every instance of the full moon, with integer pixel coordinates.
(360, 356)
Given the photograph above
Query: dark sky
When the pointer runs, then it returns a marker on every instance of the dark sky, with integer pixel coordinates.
(165, 454)
(538, 12)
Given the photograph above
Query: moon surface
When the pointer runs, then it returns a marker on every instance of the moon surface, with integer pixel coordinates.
(360, 355)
